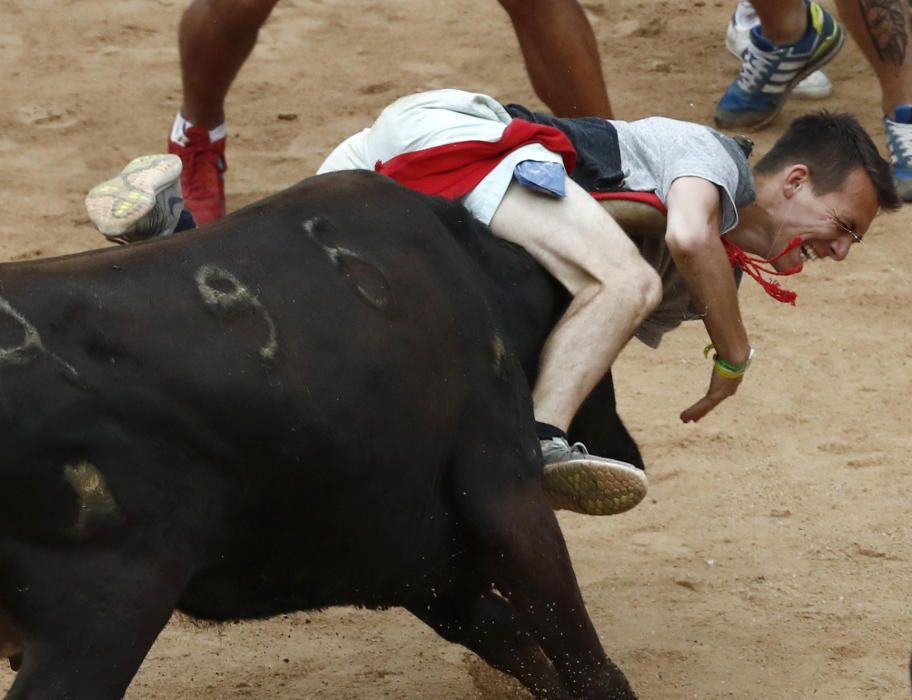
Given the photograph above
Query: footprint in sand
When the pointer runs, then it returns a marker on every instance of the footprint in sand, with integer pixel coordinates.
(46, 116)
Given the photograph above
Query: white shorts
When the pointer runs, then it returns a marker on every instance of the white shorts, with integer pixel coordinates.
(432, 119)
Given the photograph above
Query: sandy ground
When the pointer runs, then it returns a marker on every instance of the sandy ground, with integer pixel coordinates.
(773, 557)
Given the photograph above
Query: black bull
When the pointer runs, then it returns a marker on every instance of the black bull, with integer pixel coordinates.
(317, 401)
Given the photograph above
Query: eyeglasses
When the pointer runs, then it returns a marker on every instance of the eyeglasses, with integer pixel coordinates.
(854, 234)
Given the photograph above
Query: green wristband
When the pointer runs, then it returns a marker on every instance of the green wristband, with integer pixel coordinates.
(726, 369)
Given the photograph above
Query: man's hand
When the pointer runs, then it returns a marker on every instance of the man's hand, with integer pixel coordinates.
(720, 388)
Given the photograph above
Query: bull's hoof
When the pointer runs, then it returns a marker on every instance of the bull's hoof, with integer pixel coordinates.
(15, 662)
(593, 485)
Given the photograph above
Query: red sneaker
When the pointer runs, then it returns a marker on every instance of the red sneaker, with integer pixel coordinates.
(203, 177)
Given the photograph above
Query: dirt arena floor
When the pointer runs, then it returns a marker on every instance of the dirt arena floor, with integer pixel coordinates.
(773, 558)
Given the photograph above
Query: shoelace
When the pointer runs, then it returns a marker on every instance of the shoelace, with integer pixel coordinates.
(755, 68)
(578, 448)
(900, 141)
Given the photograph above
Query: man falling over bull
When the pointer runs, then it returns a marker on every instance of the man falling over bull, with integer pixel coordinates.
(544, 183)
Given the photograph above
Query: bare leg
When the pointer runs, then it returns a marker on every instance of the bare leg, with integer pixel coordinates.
(783, 21)
(215, 38)
(613, 290)
(561, 56)
(881, 30)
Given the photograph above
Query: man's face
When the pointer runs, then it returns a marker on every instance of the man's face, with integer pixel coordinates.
(827, 225)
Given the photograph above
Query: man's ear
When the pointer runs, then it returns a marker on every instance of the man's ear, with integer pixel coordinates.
(795, 176)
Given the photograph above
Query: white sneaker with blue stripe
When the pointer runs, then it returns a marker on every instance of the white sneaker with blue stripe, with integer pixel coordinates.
(769, 73)
(899, 143)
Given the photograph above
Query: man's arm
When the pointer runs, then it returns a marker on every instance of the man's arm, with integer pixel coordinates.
(692, 234)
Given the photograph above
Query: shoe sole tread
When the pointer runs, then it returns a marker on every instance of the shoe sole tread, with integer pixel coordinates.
(594, 487)
(116, 205)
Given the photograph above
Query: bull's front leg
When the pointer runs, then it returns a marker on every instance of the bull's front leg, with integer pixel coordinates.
(531, 568)
(87, 617)
(488, 625)
(10, 642)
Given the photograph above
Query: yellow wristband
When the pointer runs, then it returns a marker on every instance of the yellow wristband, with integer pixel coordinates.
(726, 369)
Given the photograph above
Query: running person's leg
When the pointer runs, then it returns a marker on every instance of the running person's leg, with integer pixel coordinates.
(215, 38)
(881, 30)
(561, 55)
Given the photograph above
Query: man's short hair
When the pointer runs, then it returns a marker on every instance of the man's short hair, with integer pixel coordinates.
(832, 145)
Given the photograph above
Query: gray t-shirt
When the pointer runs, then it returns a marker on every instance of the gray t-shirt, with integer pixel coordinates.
(654, 153)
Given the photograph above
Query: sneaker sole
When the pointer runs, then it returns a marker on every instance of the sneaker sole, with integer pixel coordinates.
(828, 56)
(594, 487)
(116, 205)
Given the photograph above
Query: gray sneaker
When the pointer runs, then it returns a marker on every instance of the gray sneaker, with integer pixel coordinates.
(575, 480)
(142, 202)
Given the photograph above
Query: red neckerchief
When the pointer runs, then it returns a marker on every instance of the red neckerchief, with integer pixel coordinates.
(753, 267)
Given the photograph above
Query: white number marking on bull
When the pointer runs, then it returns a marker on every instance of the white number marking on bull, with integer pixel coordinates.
(368, 279)
(236, 299)
(31, 343)
(500, 354)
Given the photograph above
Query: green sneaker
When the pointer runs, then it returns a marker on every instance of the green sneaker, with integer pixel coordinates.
(575, 480)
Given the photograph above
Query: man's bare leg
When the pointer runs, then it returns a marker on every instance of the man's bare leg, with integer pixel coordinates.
(561, 55)
(881, 30)
(613, 290)
(782, 21)
(215, 38)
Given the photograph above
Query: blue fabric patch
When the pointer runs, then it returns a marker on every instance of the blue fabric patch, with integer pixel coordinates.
(541, 176)
(186, 222)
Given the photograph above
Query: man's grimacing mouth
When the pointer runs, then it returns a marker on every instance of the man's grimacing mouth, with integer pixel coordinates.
(808, 253)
